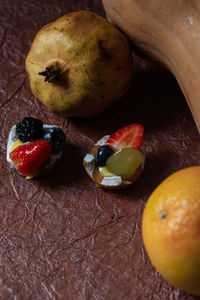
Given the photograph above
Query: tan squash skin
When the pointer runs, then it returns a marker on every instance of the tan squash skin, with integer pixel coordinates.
(94, 60)
(169, 31)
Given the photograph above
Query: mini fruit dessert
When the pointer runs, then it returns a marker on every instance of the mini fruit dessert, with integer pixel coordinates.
(79, 64)
(171, 229)
(34, 148)
(115, 161)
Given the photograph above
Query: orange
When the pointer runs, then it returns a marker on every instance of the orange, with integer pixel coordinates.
(171, 229)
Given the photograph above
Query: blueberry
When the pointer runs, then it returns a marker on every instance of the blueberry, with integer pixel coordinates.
(56, 137)
(103, 153)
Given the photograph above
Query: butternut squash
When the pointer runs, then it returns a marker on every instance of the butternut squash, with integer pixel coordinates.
(169, 31)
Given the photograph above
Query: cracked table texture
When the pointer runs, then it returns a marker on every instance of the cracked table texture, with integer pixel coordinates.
(61, 237)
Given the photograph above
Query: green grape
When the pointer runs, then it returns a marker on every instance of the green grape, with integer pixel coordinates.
(125, 162)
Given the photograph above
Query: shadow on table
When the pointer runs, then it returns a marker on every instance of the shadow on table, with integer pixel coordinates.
(154, 99)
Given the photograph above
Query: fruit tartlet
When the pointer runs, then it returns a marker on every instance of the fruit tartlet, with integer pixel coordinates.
(33, 148)
(115, 161)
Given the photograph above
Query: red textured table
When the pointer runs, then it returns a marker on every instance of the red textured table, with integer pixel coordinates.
(61, 237)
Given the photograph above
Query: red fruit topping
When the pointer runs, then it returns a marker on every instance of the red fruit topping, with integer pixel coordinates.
(29, 158)
(126, 137)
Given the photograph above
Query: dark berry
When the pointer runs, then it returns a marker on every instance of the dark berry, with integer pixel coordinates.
(29, 129)
(56, 137)
(103, 153)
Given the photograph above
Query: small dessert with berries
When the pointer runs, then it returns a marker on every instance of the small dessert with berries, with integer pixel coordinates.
(115, 161)
(33, 148)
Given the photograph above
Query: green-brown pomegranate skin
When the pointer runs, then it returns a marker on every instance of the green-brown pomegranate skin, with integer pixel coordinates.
(86, 62)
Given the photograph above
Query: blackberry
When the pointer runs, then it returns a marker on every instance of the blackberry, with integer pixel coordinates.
(56, 137)
(103, 153)
(29, 129)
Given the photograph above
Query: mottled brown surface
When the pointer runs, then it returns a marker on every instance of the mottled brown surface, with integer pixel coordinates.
(61, 237)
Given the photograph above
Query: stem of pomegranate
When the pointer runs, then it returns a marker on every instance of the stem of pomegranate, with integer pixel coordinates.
(50, 74)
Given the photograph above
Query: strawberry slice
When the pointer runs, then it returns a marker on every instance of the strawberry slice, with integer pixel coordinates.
(29, 158)
(126, 137)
